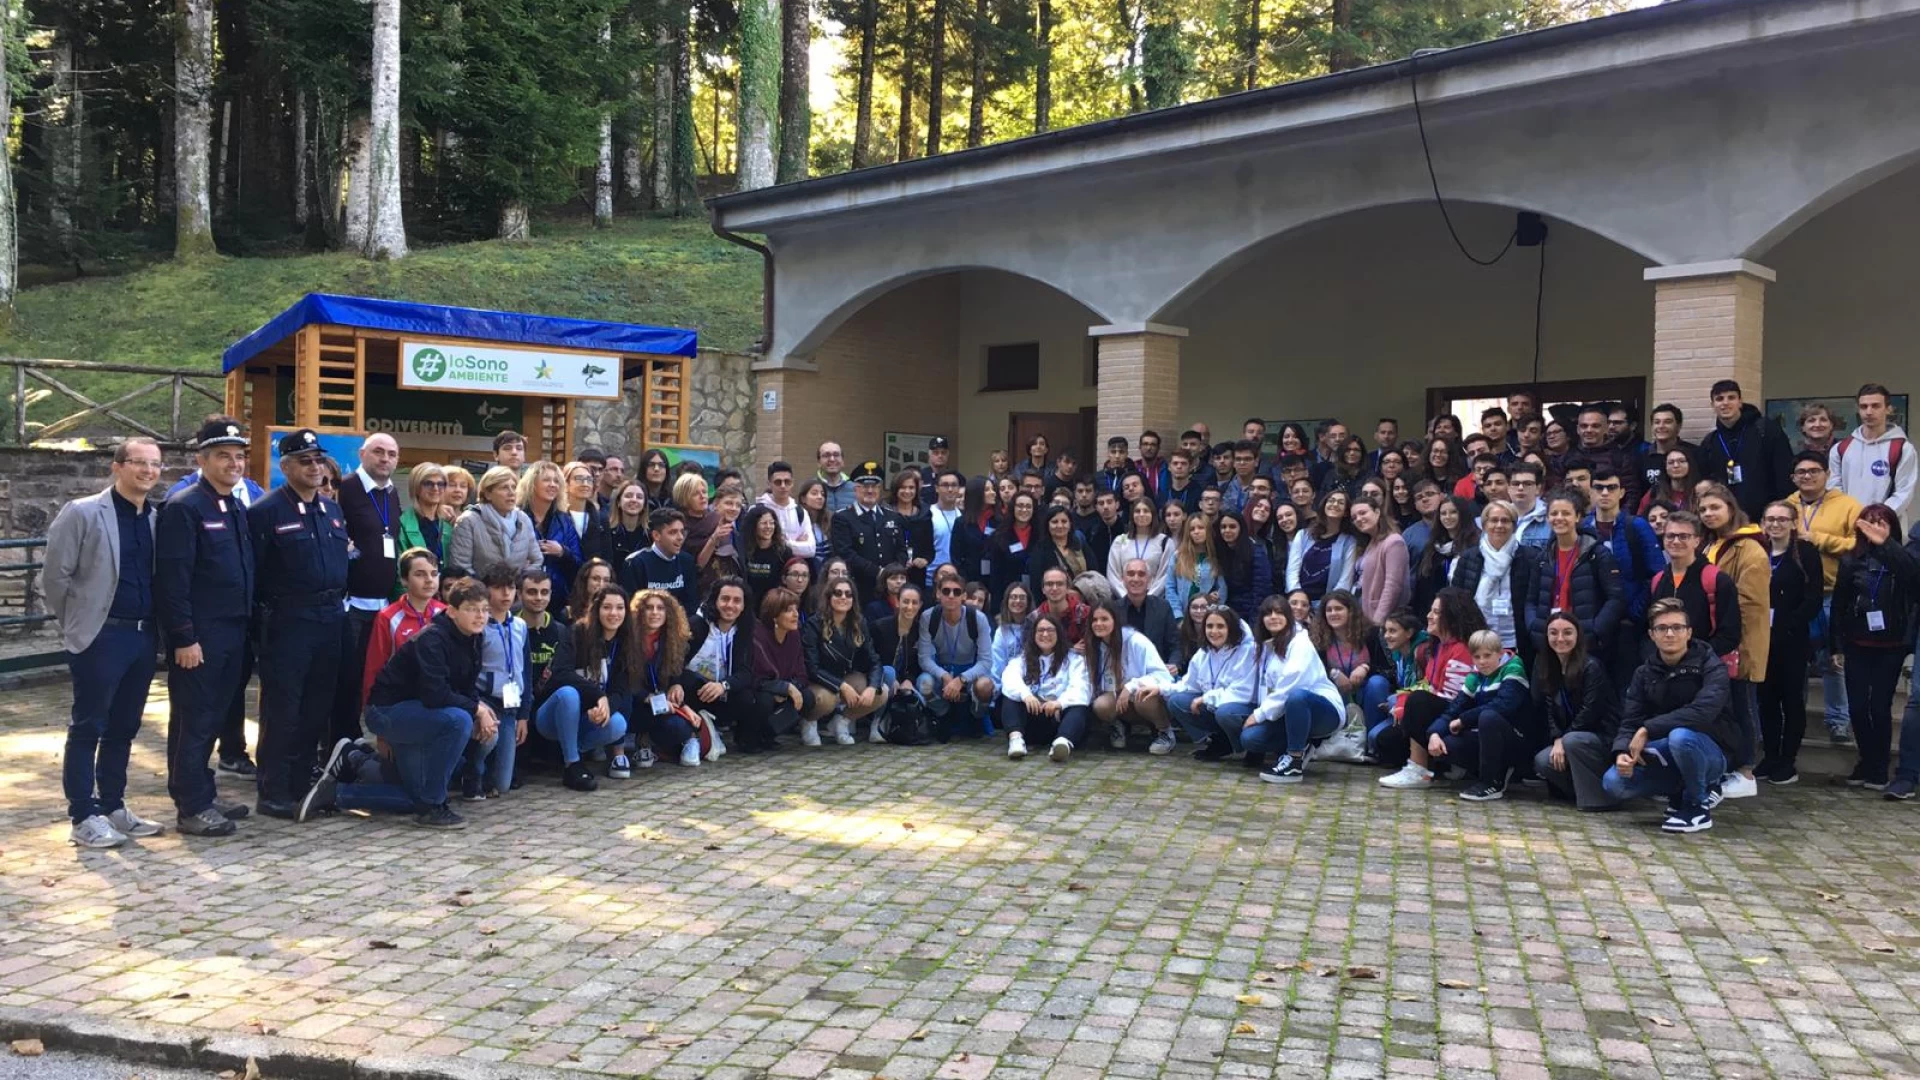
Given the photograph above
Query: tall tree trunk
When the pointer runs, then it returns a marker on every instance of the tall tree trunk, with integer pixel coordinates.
(905, 149)
(1340, 54)
(357, 154)
(1136, 101)
(1250, 47)
(192, 123)
(302, 175)
(1043, 70)
(937, 75)
(223, 144)
(514, 222)
(977, 89)
(796, 112)
(758, 96)
(66, 116)
(386, 226)
(863, 91)
(664, 111)
(686, 186)
(603, 168)
(9, 223)
(163, 158)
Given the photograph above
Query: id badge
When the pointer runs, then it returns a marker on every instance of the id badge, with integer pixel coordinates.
(986, 568)
(1016, 548)
(510, 694)
(1876, 621)
(658, 703)
(387, 547)
(1733, 473)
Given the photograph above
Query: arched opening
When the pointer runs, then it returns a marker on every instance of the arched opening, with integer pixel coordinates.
(1842, 312)
(959, 353)
(1361, 315)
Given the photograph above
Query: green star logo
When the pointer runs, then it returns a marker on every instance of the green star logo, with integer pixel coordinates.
(543, 370)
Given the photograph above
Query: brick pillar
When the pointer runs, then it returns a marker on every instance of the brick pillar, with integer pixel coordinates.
(778, 434)
(1139, 381)
(1708, 319)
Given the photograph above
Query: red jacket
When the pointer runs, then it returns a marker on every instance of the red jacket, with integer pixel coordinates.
(391, 628)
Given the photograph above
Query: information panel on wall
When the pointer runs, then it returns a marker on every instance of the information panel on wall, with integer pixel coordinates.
(450, 365)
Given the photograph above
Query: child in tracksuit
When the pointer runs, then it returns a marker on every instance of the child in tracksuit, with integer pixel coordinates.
(1488, 728)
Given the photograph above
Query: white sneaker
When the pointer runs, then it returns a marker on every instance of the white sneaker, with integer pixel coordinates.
(842, 730)
(128, 823)
(809, 733)
(1737, 785)
(1061, 749)
(1409, 776)
(1163, 743)
(1117, 735)
(644, 758)
(873, 729)
(96, 832)
(1016, 746)
(690, 752)
(718, 747)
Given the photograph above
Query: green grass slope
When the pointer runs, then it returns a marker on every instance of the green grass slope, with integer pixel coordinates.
(674, 273)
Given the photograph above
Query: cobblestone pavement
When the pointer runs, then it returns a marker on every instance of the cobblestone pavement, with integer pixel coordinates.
(942, 912)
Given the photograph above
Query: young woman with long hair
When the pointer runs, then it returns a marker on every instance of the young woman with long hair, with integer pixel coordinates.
(1574, 572)
(1446, 462)
(762, 551)
(1036, 461)
(593, 576)
(1452, 535)
(592, 696)
(812, 497)
(1045, 692)
(780, 668)
(543, 494)
(1010, 627)
(841, 663)
(627, 522)
(720, 678)
(1195, 567)
(654, 475)
(1572, 689)
(1349, 468)
(1400, 502)
(1010, 549)
(1245, 569)
(1215, 696)
(1353, 651)
(1797, 587)
(1379, 560)
(1735, 545)
(1145, 540)
(896, 641)
(1871, 633)
(903, 498)
(1322, 555)
(1130, 679)
(656, 669)
(1678, 475)
(1057, 545)
(1444, 663)
(1299, 705)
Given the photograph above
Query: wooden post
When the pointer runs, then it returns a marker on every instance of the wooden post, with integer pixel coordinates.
(306, 377)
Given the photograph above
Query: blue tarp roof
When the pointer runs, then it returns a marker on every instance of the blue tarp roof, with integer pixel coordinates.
(436, 319)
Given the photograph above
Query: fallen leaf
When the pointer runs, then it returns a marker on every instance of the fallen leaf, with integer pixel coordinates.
(1328, 973)
(1658, 1021)
(1406, 997)
(1828, 896)
(1756, 961)
(1604, 936)
(261, 1027)
(918, 1035)
(1881, 948)
(460, 901)
(489, 930)
(672, 1042)
(966, 931)
(1244, 1028)
(1455, 984)
(381, 945)
(1075, 886)
(1362, 973)
(1263, 977)
(252, 1071)
(1305, 965)
(1251, 999)
(28, 1047)
(573, 1055)
(609, 1027)
(964, 1056)
(907, 825)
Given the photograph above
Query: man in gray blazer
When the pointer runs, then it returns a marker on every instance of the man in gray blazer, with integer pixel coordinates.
(99, 582)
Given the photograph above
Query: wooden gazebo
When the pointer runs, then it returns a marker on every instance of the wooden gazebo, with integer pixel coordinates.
(445, 380)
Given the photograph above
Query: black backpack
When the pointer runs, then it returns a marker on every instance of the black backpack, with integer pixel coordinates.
(906, 722)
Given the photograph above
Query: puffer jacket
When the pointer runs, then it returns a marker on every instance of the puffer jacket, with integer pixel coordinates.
(1594, 706)
(1695, 694)
(1596, 596)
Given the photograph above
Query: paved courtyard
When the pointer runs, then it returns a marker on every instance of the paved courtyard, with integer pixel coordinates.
(941, 912)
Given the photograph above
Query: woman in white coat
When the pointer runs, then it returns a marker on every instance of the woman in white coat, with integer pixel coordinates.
(1214, 698)
(1130, 679)
(1298, 703)
(1045, 691)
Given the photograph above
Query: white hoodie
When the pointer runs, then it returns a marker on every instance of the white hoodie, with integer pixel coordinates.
(1299, 669)
(1221, 676)
(1140, 665)
(1863, 473)
(1065, 683)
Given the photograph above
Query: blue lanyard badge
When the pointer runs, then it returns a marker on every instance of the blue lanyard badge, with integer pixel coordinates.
(1876, 619)
(509, 690)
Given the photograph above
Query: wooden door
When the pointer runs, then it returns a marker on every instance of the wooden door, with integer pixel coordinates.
(1064, 430)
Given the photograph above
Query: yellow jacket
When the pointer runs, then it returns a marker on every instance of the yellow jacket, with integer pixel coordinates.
(1829, 527)
(1744, 555)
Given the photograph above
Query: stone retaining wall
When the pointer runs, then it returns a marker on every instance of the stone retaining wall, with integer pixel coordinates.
(721, 397)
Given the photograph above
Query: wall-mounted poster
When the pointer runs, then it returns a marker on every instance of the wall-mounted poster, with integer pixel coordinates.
(708, 458)
(343, 447)
(1270, 446)
(905, 451)
(1787, 412)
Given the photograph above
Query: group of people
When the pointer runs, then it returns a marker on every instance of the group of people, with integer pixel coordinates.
(1615, 617)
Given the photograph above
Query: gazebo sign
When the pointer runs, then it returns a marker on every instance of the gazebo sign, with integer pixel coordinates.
(463, 366)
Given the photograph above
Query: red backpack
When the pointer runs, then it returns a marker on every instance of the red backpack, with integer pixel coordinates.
(1709, 584)
(1894, 447)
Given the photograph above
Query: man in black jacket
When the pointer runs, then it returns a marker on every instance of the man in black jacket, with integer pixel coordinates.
(423, 703)
(371, 505)
(1711, 601)
(867, 534)
(1677, 731)
(1746, 451)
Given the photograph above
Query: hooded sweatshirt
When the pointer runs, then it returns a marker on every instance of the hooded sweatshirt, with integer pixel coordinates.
(1758, 451)
(1861, 467)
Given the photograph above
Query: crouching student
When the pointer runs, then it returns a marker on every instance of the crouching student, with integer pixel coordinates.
(1214, 698)
(1046, 691)
(1677, 731)
(1488, 728)
(1582, 711)
(585, 703)
(1400, 639)
(1298, 706)
(956, 654)
(503, 686)
(1444, 662)
(720, 660)
(779, 671)
(423, 706)
(847, 683)
(660, 640)
(1129, 679)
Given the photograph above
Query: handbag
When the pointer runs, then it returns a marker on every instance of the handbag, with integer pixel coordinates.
(1349, 743)
(907, 722)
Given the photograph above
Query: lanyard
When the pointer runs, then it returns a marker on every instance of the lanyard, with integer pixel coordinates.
(506, 647)
(1733, 455)
(380, 506)
(1873, 591)
(1807, 514)
(726, 653)
(613, 660)
(1343, 657)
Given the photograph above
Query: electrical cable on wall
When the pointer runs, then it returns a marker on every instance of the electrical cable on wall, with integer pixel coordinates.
(1419, 119)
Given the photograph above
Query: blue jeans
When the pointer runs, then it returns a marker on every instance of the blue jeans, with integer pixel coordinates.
(110, 681)
(427, 744)
(562, 719)
(1227, 720)
(1307, 716)
(1833, 684)
(1684, 763)
(1373, 698)
(371, 786)
(1871, 675)
(938, 706)
(669, 731)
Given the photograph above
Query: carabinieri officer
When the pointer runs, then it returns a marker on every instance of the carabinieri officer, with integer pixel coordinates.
(203, 585)
(300, 549)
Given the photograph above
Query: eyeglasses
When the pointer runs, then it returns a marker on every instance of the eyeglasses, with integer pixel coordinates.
(433, 483)
(953, 592)
(1607, 486)
(841, 594)
(1671, 537)
(794, 575)
(143, 463)
(1776, 520)
(1670, 629)
(1808, 471)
